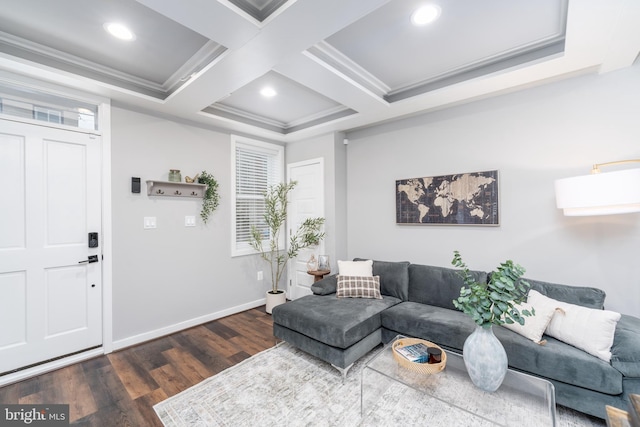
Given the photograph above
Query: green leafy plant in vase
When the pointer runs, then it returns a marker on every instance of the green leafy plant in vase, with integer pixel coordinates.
(308, 234)
(493, 302)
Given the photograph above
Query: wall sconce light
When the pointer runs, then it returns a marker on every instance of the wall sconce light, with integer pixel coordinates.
(600, 193)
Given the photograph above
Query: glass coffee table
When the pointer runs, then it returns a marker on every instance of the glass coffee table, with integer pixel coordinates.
(450, 397)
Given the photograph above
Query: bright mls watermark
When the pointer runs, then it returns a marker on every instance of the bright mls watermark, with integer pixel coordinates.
(34, 415)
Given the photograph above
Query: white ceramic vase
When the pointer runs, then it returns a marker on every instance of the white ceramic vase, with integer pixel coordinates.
(275, 299)
(485, 359)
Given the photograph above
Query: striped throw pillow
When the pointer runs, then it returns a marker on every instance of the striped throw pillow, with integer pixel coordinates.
(358, 287)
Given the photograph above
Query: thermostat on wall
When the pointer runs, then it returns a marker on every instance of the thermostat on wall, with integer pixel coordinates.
(135, 185)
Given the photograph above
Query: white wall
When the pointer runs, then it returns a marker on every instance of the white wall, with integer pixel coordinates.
(532, 137)
(172, 277)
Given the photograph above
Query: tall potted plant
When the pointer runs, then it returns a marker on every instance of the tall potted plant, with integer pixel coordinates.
(307, 235)
(490, 303)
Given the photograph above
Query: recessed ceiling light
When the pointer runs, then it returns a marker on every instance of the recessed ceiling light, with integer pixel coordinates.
(268, 92)
(425, 15)
(119, 31)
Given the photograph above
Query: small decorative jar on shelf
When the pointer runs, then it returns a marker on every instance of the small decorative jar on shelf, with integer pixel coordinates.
(175, 175)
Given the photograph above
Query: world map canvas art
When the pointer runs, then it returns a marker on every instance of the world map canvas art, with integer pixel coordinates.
(464, 199)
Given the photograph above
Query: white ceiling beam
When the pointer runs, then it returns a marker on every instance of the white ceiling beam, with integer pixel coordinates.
(624, 43)
(330, 83)
(304, 23)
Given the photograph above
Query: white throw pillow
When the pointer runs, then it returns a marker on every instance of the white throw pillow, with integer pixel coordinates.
(588, 329)
(534, 326)
(356, 268)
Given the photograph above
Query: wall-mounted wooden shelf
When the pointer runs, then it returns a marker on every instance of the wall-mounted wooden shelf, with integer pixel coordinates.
(175, 189)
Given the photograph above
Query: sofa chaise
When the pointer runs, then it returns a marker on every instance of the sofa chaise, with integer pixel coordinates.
(417, 302)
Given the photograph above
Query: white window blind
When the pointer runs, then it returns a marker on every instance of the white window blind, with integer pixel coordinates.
(257, 166)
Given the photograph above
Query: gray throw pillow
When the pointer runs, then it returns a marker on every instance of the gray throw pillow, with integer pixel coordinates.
(326, 286)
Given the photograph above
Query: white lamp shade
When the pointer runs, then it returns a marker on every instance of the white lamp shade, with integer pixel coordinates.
(599, 194)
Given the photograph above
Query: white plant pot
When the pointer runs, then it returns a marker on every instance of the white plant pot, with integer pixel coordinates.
(275, 299)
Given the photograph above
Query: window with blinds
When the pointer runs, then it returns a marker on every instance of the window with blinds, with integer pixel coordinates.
(257, 165)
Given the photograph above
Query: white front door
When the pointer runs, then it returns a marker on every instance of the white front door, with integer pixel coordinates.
(306, 201)
(50, 295)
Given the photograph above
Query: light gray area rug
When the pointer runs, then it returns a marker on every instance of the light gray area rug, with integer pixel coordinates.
(283, 386)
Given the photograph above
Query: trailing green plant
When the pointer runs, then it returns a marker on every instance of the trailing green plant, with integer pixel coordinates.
(307, 235)
(211, 198)
(493, 303)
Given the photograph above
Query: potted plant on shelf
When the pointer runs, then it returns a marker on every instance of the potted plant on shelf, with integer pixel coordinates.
(493, 302)
(307, 235)
(211, 198)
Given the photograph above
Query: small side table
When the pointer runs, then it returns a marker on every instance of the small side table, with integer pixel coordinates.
(318, 274)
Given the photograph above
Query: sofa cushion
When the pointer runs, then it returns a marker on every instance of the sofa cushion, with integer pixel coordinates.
(625, 351)
(579, 295)
(437, 286)
(338, 322)
(561, 362)
(358, 287)
(394, 277)
(449, 328)
(555, 360)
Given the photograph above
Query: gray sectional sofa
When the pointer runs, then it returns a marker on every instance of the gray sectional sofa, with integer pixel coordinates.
(417, 302)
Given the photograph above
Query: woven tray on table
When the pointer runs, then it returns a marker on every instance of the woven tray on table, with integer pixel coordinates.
(423, 368)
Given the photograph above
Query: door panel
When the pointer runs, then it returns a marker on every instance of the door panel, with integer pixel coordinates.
(65, 287)
(306, 201)
(13, 309)
(12, 170)
(50, 305)
(65, 192)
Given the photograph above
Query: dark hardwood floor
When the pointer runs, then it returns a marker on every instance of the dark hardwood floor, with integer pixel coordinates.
(121, 388)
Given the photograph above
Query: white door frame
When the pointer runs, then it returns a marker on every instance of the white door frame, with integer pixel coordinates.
(320, 161)
(104, 126)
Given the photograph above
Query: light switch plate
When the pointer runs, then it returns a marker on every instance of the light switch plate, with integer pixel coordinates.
(149, 222)
(189, 221)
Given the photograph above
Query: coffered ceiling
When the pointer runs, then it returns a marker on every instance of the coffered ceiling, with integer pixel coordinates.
(332, 65)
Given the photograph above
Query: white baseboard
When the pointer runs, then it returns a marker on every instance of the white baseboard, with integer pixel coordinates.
(167, 330)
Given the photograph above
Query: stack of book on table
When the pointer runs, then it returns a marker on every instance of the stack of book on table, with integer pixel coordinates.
(417, 353)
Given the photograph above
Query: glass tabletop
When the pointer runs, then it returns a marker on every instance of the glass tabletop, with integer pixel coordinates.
(522, 399)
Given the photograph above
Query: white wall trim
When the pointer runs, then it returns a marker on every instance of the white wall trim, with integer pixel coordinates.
(177, 327)
(104, 117)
